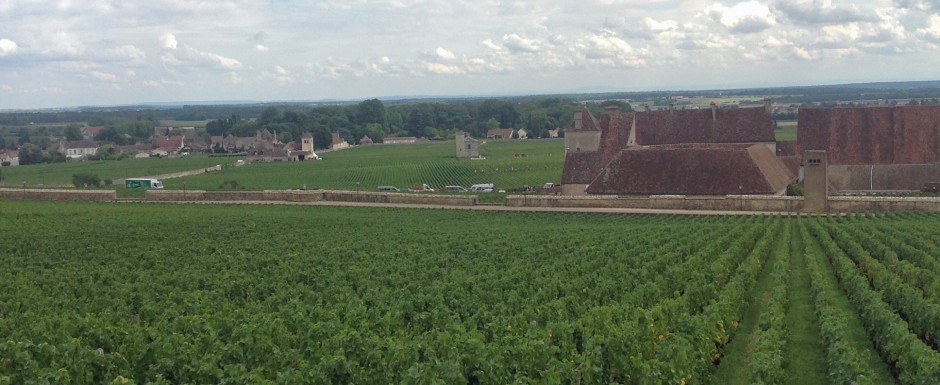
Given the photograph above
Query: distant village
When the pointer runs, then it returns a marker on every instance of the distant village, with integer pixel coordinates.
(262, 147)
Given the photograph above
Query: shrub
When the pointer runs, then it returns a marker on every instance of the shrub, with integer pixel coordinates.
(85, 179)
(794, 190)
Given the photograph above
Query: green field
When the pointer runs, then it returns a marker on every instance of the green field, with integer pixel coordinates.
(60, 174)
(96, 293)
(785, 131)
(403, 166)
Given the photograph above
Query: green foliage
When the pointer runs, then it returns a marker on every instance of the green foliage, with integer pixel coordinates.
(30, 154)
(794, 190)
(81, 180)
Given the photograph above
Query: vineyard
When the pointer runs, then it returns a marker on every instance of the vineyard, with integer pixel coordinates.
(508, 164)
(97, 293)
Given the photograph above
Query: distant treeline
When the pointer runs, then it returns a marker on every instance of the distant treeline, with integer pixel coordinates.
(374, 119)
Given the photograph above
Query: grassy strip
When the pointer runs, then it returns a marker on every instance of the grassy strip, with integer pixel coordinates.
(738, 361)
(914, 361)
(805, 357)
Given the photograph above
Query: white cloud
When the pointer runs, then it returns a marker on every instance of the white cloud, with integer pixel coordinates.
(443, 69)
(517, 43)
(261, 48)
(168, 41)
(444, 54)
(7, 47)
(932, 30)
(104, 76)
(746, 17)
(280, 70)
(821, 12)
(128, 53)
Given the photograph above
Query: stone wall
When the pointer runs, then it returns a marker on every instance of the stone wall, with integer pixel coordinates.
(310, 196)
(883, 177)
(50, 194)
(761, 203)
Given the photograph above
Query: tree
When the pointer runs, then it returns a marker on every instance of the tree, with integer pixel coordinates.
(270, 115)
(54, 156)
(30, 154)
(371, 111)
(73, 132)
(84, 179)
(23, 136)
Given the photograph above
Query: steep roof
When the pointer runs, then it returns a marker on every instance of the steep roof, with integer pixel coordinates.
(708, 125)
(693, 169)
(84, 143)
(505, 133)
(872, 135)
(581, 167)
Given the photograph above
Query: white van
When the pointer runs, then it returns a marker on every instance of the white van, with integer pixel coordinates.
(388, 189)
(483, 187)
(456, 189)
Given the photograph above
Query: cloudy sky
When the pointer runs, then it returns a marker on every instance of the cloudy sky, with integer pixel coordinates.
(57, 53)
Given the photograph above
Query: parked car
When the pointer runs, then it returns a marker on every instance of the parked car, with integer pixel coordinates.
(483, 187)
(456, 189)
(388, 189)
(421, 188)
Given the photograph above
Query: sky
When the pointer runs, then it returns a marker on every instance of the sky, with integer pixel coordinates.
(61, 53)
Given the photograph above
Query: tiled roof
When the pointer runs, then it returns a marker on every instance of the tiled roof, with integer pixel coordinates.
(581, 167)
(505, 133)
(734, 125)
(872, 135)
(84, 143)
(694, 169)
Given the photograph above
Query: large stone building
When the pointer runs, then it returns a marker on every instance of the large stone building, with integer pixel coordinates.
(875, 148)
(713, 151)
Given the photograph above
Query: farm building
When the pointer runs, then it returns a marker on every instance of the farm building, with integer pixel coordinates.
(500, 133)
(399, 140)
(466, 147)
(78, 149)
(714, 151)
(875, 148)
(338, 143)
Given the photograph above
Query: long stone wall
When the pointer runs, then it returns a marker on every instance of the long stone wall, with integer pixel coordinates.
(52, 194)
(882, 177)
(310, 196)
(664, 202)
(728, 203)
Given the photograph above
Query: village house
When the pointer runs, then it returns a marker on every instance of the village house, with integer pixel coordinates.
(500, 133)
(399, 140)
(9, 158)
(78, 149)
(365, 140)
(338, 143)
(90, 132)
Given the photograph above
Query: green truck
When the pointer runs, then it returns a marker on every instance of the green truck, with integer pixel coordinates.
(143, 183)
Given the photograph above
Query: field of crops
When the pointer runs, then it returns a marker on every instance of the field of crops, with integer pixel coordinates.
(508, 165)
(60, 174)
(94, 293)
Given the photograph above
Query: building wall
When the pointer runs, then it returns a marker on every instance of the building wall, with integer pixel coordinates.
(883, 177)
(581, 141)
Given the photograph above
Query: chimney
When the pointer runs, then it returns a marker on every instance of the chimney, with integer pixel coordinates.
(647, 107)
(577, 120)
(672, 107)
(714, 111)
(768, 106)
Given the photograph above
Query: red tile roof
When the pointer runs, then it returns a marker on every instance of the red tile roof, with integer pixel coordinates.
(872, 135)
(693, 169)
(728, 125)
